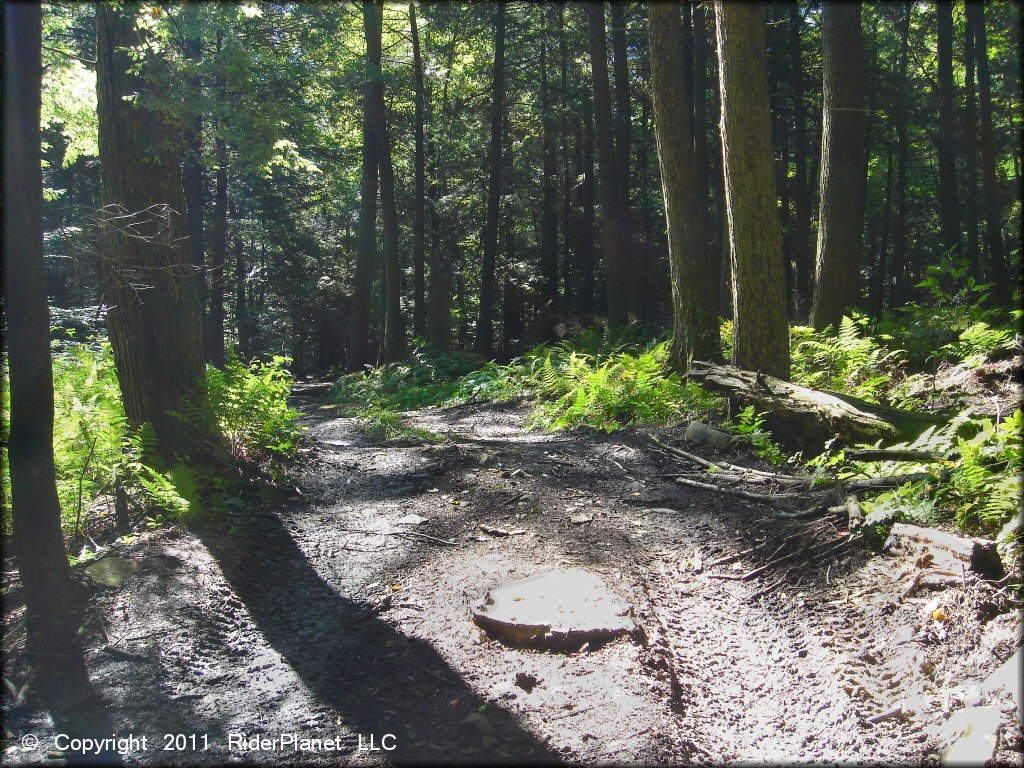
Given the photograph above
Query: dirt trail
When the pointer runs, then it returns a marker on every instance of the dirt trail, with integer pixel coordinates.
(320, 620)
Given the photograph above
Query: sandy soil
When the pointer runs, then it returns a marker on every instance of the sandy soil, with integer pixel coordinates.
(321, 619)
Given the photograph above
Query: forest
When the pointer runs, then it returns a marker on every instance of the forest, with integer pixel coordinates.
(511, 382)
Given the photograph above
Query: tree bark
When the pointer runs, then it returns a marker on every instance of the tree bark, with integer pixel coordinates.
(37, 537)
(214, 328)
(843, 143)
(801, 187)
(549, 211)
(899, 239)
(620, 69)
(619, 277)
(692, 271)
(419, 321)
(194, 171)
(948, 206)
(358, 354)
(990, 193)
(971, 149)
(393, 343)
(485, 322)
(585, 224)
(154, 314)
(760, 327)
(568, 275)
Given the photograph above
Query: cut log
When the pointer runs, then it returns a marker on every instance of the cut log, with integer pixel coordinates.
(807, 418)
(948, 552)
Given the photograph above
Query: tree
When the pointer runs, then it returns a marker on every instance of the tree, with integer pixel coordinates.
(693, 276)
(358, 355)
(154, 315)
(801, 188)
(485, 323)
(214, 327)
(760, 328)
(613, 188)
(989, 187)
(419, 321)
(393, 344)
(38, 540)
(549, 211)
(843, 143)
(971, 148)
(949, 218)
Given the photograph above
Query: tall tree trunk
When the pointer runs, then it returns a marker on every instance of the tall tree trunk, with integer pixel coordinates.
(993, 221)
(393, 343)
(948, 206)
(699, 97)
(585, 224)
(358, 354)
(620, 67)
(971, 149)
(878, 272)
(194, 172)
(695, 313)
(567, 269)
(38, 540)
(843, 143)
(214, 328)
(619, 277)
(760, 327)
(154, 315)
(899, 238)
(549, 211)
(419, 321)
(801, 187)
(241, 304)
(485, 322)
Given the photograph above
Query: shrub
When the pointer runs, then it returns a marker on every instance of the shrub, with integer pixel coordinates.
(250, 404)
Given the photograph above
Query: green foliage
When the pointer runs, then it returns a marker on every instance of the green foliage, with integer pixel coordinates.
(955, 323)
(578, 389)
(849, 360)
(250, 404)
(750, 425)
(978, 469)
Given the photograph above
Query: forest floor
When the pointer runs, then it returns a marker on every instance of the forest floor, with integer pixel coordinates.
(327, 619)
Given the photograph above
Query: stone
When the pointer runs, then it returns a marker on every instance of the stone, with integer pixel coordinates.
(974, 732)
(1006, 682)
(110, 571)
(699, 433)
(475, 721)
(567, 608)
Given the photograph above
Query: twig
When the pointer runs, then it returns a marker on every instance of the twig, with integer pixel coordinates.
(886, 715)
(793, 479)
(774, 500)
(117, 653)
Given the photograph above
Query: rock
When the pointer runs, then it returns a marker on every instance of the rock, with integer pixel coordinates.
(945, 554)
(1005, 683)
(111, 571)
(1006, 544)
(565, 608)
(699, 433)
(475, 721)
(411, 519)
(527, 681)
(974, 732)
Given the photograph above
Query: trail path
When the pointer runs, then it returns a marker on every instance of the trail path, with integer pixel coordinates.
(320, 619)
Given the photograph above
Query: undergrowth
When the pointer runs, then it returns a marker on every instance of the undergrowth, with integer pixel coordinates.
(97, 452)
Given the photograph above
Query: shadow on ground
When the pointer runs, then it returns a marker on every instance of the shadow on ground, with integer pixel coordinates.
(377, 679)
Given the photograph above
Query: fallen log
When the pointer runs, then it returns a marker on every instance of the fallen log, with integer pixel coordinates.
(941, 551)
(808, 418)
